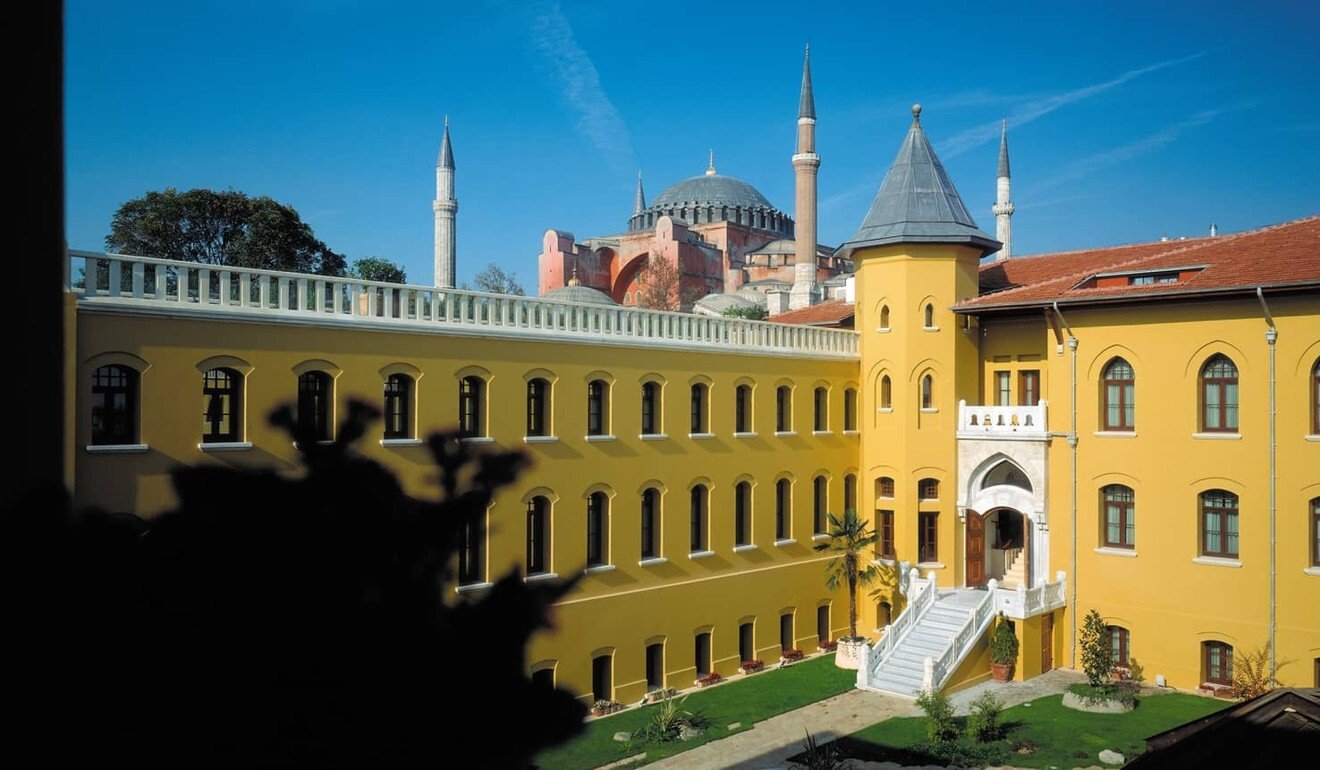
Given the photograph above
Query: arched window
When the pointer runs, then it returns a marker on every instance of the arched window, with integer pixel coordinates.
(928, 392)
(850, 492)
(743, 409)
(650, 408)
(538, 407)
(598, 407)
(222, 409)
(820, 415)
(783, 509)
(699, 505)
(650, 523)
(787, 638)
(1120, 516)
(471, 406)
(1118, 645)
(398, 406)
(1219, 524)
(928, 489)
(700, 415)
(314, 404)
(1217, 667)
(930, 316)
(598, 522)
(783, 409)
(823, 623)
(850, 409)
(114, 405)
(886, 392)
(471, 551)
(1219, 395)
(602, 677)
(538, 535)
(884, 487)
(544, 677)
(1119, 396)
(747, 642)
(1315, 399)
(884, 316)
(884, 614)
(819, 487)
(742, 514)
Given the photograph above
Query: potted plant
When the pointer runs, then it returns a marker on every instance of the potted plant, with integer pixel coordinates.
(751, 666)
(791, 655)
(828, 645)
(850, 539)
(1003, 652)
(603, 706)
(709, 679)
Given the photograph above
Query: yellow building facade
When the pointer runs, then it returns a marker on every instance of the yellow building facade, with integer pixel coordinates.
(1032, 438)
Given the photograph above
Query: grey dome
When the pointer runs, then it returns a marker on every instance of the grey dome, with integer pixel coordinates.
(717, 303)
(579, 293)
(712, 188)
(713, 198)
(781, 246)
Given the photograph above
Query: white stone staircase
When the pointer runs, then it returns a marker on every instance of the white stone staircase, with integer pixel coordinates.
(923, 646)
(1015, 569)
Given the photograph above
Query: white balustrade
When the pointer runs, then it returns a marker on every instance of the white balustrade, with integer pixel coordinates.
(995, 421)
(938, 670)
(1026, 602)
(173, 286)
(921, 595)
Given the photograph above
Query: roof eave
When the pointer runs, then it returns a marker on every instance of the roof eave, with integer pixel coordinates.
(1128, 298)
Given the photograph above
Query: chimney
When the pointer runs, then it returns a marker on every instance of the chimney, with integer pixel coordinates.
(1214, 230)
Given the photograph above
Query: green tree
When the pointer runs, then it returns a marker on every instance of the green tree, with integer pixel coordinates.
(494, 280)
(1097, 653)
(220, 228)
(377, 269)
(756, 313)
(850, 539)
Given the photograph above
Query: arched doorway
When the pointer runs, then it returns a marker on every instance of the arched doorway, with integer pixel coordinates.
(998, 545)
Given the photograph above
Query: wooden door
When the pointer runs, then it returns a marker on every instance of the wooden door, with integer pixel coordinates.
(975, 550)
(1046, 642)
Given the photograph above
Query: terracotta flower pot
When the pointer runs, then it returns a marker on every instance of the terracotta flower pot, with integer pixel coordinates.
(1001, 672)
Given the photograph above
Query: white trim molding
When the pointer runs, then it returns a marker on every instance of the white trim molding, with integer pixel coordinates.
(471, 588)
(400, 442)
(785, 541)
(540, 439)
(116, 449)
(1219, 436)
(745, 434)
(599, 568)
(1217, 561)
(700, 554)
(1116, 434)
(540, 576)
(1131, 553)
(742, 548)
(653, 436)
(653, 561)
(601, 437)
(701, 435)
(226, 446)
(477, 440)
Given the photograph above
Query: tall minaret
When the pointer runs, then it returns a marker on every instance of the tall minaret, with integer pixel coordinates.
(446, 207)
(639, 204)
(805, 165)
(1003, 207)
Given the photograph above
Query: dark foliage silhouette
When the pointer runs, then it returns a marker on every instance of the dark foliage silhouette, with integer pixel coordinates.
(291, 621)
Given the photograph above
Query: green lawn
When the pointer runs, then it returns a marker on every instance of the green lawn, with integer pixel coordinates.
(747, 701)
(1059, 733)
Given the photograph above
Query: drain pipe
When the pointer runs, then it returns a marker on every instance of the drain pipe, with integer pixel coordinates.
(1072, 444)
(1271, 336)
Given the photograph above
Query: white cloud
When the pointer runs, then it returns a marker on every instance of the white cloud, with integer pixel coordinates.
(1143, 146)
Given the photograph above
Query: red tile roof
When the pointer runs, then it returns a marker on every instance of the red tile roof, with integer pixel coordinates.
(834, 312)
(1284, 255)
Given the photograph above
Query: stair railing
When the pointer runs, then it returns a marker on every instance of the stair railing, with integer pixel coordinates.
(921, 597)
(936, 671)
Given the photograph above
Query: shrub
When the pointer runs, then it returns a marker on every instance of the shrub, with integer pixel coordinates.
(1121, 692)
(1097, 654)
(711, 678)
(1135, 672)
(983, 721)
(791, 655)
(1003, 645)
(821, 757)
(970, 754)
(940, 726)
(1251, 672)
(667, 722)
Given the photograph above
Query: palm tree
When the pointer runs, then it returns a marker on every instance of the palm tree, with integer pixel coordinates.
(850, 537)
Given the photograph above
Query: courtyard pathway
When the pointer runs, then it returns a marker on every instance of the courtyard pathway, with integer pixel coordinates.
(770, 743)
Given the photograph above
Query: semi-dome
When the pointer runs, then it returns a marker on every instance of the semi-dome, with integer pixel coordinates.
(575, 292)
(708, 198)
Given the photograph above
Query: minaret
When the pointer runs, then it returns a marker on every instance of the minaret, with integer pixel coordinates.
(805, 165)
(446, 207)
(1003, 207)
(639, 205)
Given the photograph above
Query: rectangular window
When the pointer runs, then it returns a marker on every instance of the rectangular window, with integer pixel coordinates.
(536, 407)
(1029, 387)
(596, 408)
(818, 505)
(698, 408)
(602, 678)
(928, 489)
(886, 486)
(701, 654)
(928, 536)
(783, 410)
(114, 405)
(850, 409)
(1219, 520)
(471, 565)
(1218, 663)
(650, 414)
(470, 423)
(742, 503)
(655, 667)
(884, 529)
(743, 410)
(782, 503)
(222, 398)
(823, 623)
(1003, 391)
(820, 419)
(1118, 645)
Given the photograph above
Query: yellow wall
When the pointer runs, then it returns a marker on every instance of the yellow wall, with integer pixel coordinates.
(620, 610)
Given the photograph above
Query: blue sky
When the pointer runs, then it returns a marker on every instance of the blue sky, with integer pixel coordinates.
(1127, 122)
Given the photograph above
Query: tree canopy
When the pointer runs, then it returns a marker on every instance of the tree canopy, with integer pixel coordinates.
(493, 279)
(377, 269)
(220, 228)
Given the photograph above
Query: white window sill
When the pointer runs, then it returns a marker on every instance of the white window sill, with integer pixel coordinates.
(884, 409)
(1315, 571)
(930, 565)
(599, 568)
(1312, 437)
(541, 576)
(477, 440)
(1131, 553)
(1219, 436)
(540, 439)
(323, 442)
(884, 562)
(785, 433)
(116, 449)
(882, 330)
(852, 433)
(601, 437)
(923, 500)
(653, 561)
(472, 588)
(930, 328)
(745, 435)
(820, 537)
(1217, 561)
(930, 409)
(701, 435)
(700, 554)
(653, 436)
(822, 433)
(1116, 434)
(400, 442)
(741, 548)
(226, 446)
(784, 542)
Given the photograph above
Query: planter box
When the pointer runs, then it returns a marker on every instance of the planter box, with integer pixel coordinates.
(708, 680)
(849, 653)
(790, 656)
(605, 710)
(1001, 672)
(659, 695)
(826, 646)
(750, 667)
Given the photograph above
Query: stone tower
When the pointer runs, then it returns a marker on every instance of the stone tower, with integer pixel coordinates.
(1003, 207)
(446, 209)
(806, 163)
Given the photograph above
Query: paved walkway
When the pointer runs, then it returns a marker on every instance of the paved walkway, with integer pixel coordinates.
(770, 743)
